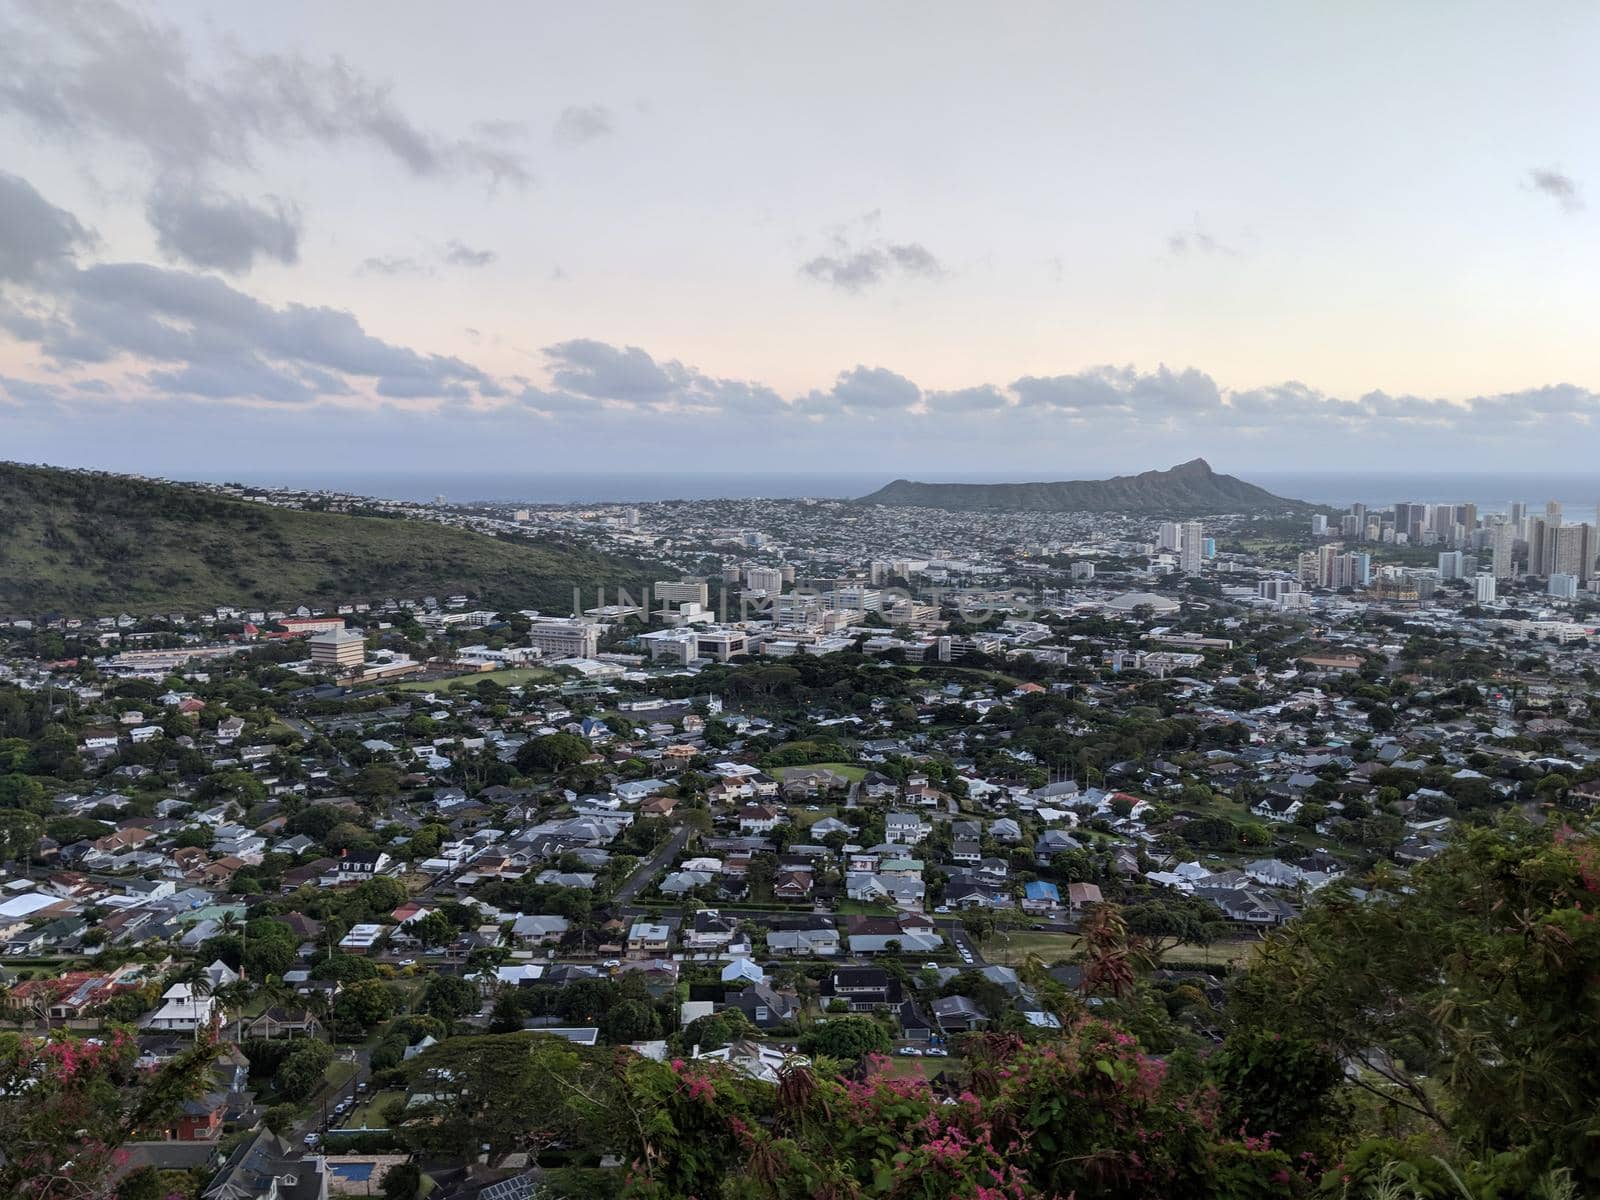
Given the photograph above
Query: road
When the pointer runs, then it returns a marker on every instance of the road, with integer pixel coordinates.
(958, 937)
(653, 865)
(319, 1112)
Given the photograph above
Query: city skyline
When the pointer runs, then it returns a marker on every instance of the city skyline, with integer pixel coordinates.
(1061, 242)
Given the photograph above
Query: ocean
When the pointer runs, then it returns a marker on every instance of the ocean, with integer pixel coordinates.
(1578, 494)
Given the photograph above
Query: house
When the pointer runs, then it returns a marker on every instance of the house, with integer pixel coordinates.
(792, 885)
(539, 930)
(278, 1022)
(815, 941)
(1274, 807)
(905, 829)
(357, 865)
(184, 1009)
(764, 1006)
(711, 930)
(958, 1014)
(1053, 842)
(759, 818)
(645, 937)
(863, 989)
(1081, 895)
(742, 970)
(1041, 898)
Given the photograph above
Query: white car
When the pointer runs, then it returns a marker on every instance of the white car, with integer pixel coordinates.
(612, 963)
(910, 1052)
(312, 1139)
(408, 962)
(936, 1052)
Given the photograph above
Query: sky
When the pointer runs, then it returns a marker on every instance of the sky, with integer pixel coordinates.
(925, 238)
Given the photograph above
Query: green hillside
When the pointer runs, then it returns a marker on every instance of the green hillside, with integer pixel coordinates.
(87, 543)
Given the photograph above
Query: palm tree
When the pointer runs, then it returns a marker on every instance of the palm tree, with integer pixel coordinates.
(236, 995)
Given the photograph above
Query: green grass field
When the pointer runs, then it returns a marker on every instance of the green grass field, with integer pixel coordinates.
(1053, 948)
(850, 771)
(514, 677)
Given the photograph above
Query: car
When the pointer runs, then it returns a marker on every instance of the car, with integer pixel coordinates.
(930, 966)
(813, 808)
(910, 1052)
(1035, 927)
(339, 1108)
(943, 908)
(361, 1087)
(938, 1052)
(408, 962)
(612, 963)
(312, 1139)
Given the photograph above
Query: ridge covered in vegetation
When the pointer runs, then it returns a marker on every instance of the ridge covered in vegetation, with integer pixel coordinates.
(1189, 488)
(90, 543)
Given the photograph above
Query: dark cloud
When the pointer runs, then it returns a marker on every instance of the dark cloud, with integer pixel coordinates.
(459, 255)
(1563, 189)
(606, 372)
(225, 233)
(580, 123)
(35, 235)
(858, 260)
(82, 68)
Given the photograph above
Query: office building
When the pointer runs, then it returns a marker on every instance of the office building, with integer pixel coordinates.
(684, 591)
(558, 638)
(338, 650)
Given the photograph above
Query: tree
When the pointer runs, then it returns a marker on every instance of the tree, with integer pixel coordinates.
(552, 752)
(510, 1092)
(1159, 925)
(375, 782)
(401, 1181)
(449, 997)
(1462, 1000)
(301, 1074)
(630, 1021)
(362, 1007)
(67, 1106)
(849, 1038)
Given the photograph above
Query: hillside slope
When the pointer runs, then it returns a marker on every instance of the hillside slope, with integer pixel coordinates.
(1192, 487)
(87, 543)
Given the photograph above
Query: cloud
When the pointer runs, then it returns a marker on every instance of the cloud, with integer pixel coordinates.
(394, 264)
(606, 372)
(225, 233)
(35, 235)
(856, 262)
(581, 123)
(459, 255)
(194, 334)
(1101, 391)
(1563, 189)
(1196, 240)
(86, 69)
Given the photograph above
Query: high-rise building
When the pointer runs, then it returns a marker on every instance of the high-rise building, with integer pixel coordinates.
(1359, 512)
(1319, 525)
(1483, 588)
(764, 579)
(1450, 564)
(1192, 548)
(1169, 536)
(1562, 587)
(1552, 511)
(1572, 551)
(1410, 520)
(1502, 542)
